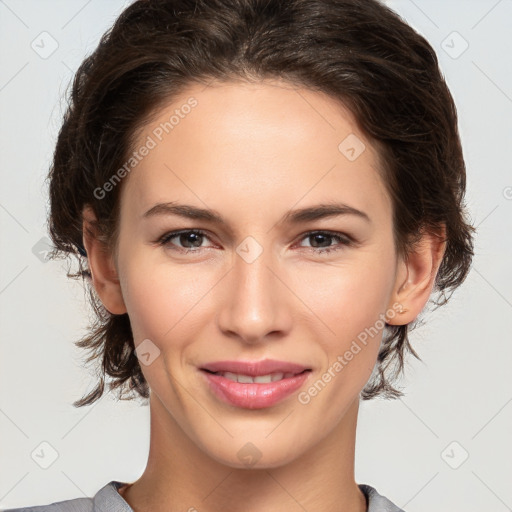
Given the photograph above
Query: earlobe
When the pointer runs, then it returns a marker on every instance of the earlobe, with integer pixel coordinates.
(101, 264)
(416, 275)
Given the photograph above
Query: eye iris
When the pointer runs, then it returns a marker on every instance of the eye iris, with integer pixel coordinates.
(186, 237)
(321, 236)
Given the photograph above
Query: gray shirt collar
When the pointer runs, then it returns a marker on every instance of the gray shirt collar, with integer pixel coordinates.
(108, 499)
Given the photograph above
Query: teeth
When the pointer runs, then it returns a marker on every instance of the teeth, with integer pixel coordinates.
(263, 379)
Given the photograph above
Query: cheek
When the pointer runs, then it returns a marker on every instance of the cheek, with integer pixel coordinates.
(348, 306)
(349, 298)
(159, 297)
(353, 311)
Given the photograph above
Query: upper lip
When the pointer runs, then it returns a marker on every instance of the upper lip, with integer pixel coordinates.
(255, 368)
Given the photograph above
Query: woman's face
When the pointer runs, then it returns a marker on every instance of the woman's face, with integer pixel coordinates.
(258, 285)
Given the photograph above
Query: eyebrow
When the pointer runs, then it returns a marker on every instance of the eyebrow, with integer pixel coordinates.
(317, 212)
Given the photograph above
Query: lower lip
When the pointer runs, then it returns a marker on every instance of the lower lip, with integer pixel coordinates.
(255, 395)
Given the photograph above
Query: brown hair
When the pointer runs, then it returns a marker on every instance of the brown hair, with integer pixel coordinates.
(359, 52)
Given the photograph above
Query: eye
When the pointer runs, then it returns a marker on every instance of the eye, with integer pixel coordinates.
(321, 241)
(190, 238)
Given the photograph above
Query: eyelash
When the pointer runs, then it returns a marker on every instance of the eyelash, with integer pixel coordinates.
(344, 240)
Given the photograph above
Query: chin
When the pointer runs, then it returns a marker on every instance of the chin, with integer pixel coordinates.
(264, 454)
(256, 462)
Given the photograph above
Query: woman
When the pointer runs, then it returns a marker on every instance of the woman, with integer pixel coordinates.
(263, 196)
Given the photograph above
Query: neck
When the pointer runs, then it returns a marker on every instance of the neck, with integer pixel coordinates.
(180, 476)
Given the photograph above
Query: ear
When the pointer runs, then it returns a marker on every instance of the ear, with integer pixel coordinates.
(416, 275)
(101, 264)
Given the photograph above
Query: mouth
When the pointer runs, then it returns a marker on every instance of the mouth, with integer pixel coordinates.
(254, 385)
(261, 368)
(261, 379)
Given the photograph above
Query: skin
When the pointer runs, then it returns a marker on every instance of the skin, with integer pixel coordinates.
(253, 152)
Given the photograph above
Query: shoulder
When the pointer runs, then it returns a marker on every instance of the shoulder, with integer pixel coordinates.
(76, 505)
(377, 502)
(107, 498)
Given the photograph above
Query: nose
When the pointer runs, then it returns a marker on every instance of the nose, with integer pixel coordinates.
(255, 302)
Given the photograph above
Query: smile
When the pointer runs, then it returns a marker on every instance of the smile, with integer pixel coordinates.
(253, 391)
(248, 379)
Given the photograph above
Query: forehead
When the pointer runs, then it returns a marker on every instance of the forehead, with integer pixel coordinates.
(254, 146)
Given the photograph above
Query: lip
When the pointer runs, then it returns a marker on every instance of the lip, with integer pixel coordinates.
(254, 395)
(255, 368)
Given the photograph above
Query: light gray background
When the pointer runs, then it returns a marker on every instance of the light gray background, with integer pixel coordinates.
(405, 448)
